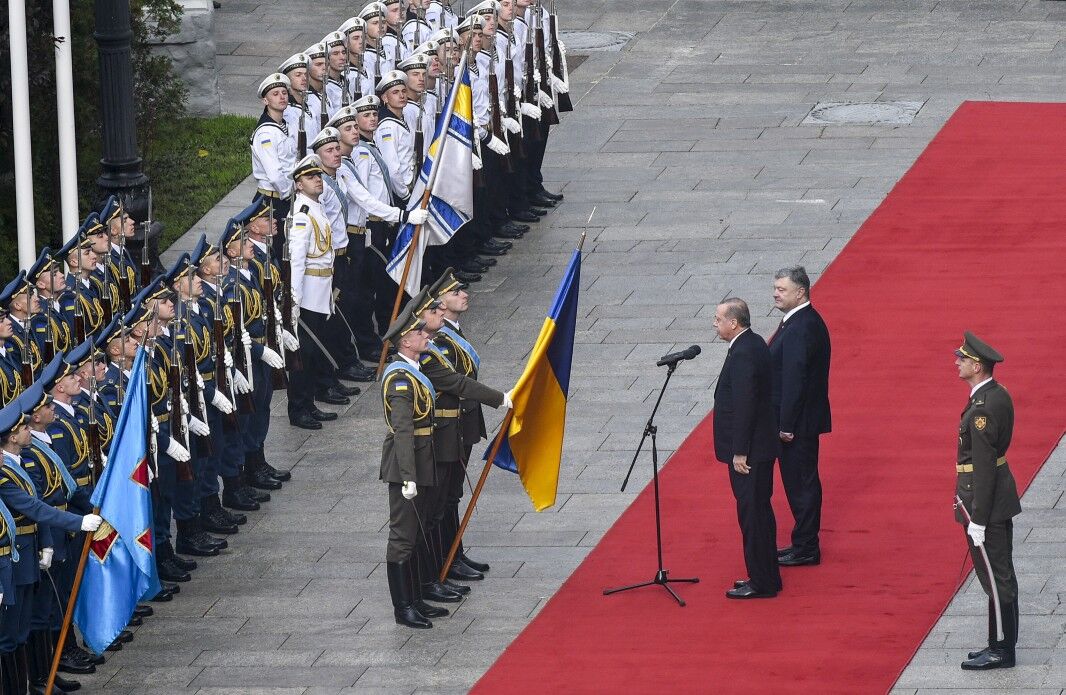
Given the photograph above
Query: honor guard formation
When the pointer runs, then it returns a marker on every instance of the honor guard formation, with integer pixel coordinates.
(294, 295)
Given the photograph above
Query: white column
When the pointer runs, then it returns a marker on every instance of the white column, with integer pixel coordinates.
(20, 120)
(68, 155)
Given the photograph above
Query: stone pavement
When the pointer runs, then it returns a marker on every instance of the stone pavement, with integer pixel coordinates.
(689, 145)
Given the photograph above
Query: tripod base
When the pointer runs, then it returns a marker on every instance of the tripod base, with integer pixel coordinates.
(662, 580)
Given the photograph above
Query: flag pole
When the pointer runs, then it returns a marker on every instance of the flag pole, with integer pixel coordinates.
(476, 493)
(69, 614)
(430, 182)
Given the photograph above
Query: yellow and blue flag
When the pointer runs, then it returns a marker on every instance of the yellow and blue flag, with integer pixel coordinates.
(120, 569)
(533, 445)
(451, 200)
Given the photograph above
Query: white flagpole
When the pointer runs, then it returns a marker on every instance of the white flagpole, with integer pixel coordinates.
(20, 121)
(68, 154)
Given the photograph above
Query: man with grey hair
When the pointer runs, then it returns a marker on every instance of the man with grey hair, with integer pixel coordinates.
(799, 354)
(745, 438)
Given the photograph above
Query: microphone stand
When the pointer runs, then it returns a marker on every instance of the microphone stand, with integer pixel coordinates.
(650, 430)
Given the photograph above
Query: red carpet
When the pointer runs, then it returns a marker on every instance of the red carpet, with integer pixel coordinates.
(972, 237)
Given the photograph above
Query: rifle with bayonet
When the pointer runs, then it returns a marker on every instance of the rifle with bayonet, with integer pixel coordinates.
(266, 288)
(146, 264)
(292, 357)
(420, 135)
(26, 371)
(125, 292)
(96, 448)
(530, 126)
(495, 121)
(49, 319)
(218, 335)
(301, 134)
(323, 113)
(79, 312)
(562, 99)
(510, 106)
(179, 425)
(550, 116)
(196, 395)
(241, 358)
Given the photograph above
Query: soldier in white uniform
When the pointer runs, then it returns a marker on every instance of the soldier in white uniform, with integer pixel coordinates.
(354, 30)
(299, 114)
(415, 30)
(421, 110)
(316, 86)
(273, 150)
(392, 42)
(439, 15)
(311, 261)
(375, 60)
(393, 138)
(336, 64)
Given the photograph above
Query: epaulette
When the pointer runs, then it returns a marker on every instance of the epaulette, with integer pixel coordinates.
(305, 209)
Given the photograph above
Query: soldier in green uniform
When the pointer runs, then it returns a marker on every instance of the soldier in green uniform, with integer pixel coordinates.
(987, 498)
(407, 465)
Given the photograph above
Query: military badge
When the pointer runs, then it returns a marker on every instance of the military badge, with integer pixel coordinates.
(980, 422)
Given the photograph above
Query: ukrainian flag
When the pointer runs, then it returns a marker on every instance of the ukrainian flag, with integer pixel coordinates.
(533, 445)
(451, 200)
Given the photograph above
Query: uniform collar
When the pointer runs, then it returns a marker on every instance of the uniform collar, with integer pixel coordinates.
(41, 436)
(409, 361)
(975, 388)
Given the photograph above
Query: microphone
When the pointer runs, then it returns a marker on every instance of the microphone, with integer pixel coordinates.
(675, 357)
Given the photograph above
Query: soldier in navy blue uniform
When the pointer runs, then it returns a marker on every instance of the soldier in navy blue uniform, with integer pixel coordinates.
(21, 304)
(120, 227)
(7, 587)
(80, 296)
(10, 379)
(48, 280)
(20, 496)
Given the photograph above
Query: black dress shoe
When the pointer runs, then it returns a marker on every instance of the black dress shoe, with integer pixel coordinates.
(740, 582)
(356, 372)
(163, 596)
(797, 558)
(781, 552)
(282, 475)
(516, 227)
(497, 244)
(170, 572)
(460, 589)
(332, 396)
(234, 518)
(524, 216)
(137, 622)
(502, 233)
(409, 617)
(543, 201)
(472, 266)
(261, 479)
(995, 657)
(431, 611)
(746, 591)
(143, 611)
(435, 592)
(486, 250)
(216, 522)
(69, 663)
(323, 415)
(474, 564)
(305, 422)
(189, 545)
(64, 684)
(346, 390)
(974, 655)
(254, 494)
(234, 499)
(548, 194)
(125, 636)
(487, 262)
(204, 538)
(539, 212)
(460, 572)
(467, 277)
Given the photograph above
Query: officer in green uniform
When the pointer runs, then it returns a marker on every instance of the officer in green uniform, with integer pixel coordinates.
(407, 466)
(987, 498)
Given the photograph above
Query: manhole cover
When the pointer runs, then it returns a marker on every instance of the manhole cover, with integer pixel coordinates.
(578, 41)
(863, 113)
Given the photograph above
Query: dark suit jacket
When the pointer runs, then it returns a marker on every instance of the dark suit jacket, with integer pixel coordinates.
(744, 417)
(799, 352)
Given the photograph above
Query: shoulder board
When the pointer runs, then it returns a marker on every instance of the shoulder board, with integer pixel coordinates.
(305, 209)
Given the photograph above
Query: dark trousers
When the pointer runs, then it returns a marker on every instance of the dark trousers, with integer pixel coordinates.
(376, 282)
(405, 522)
(757, 524)
(316, 368)
(999, 546)
(352, 305)
(534, 179)
(799, 475)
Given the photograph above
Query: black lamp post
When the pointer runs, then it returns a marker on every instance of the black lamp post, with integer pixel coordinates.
(120, 164)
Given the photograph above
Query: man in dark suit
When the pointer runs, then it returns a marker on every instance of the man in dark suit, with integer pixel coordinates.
(799, 352)
(745, 438)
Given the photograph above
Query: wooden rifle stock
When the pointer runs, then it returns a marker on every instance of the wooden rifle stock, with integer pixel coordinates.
(292, 357)
(511, 108)
(549, 116)
(277, 376)
(562, 99)
(222, 383)
(496, 123)
(240, 360)
(530, 126)
(203, 444)
(178, 429)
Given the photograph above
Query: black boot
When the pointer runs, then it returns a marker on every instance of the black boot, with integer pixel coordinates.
(991, 631)
(1001, 653)
(441, 551)
(433, 590)
(191, 540)
(234, 498)
(415, 582)
(8, 674)
(402, 601)
(22, 671)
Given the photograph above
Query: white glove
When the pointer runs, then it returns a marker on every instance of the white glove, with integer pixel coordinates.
(296, 304)
(91, 522)
(240, 384)
(177, 451)
(977, 533)
(530, 110)
(272, 358)
(559, 86)
(499, 146)
(184, 404)
(221, 403)
(227, 358)
(198, 426)
(103, 460)
(277, 311)
(544, 100)
(477, 163)
(409, 490)
(246, 339)
(199, 380)
(155, 424)
(417, 216)
(46, 558)
(511, 125)
(291, 343)
(507, 402)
